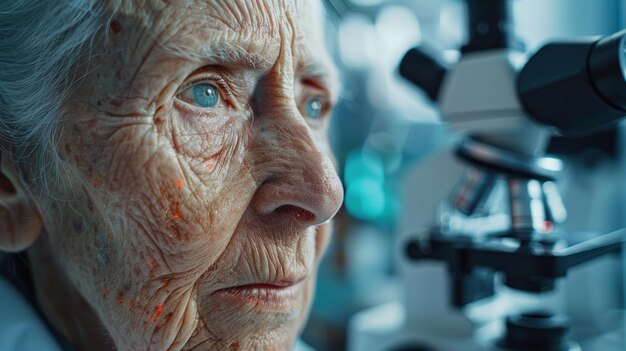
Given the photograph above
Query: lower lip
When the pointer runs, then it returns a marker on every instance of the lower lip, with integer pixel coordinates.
(266, 296)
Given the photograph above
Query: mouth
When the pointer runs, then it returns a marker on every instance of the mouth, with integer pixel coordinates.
(273, 296)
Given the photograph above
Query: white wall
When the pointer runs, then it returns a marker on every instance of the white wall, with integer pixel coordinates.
(538, 21)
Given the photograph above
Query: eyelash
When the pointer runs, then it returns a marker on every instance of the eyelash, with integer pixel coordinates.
(225, 91)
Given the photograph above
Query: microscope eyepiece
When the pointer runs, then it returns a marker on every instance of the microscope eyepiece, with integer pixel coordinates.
(490, 26)
(423, 69)
(578, 86)
(607, 65)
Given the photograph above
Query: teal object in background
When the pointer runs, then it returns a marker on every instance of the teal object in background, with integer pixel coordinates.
(365, 199)
(364, 177)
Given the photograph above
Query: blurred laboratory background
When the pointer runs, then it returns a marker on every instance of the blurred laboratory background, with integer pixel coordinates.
(392, 150)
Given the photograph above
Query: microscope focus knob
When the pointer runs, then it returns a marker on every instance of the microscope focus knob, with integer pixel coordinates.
(538, 331)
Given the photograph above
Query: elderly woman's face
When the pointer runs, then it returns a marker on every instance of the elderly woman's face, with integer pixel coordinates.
(197, 184)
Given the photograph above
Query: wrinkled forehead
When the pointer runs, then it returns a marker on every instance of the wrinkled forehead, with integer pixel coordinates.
(256, 30)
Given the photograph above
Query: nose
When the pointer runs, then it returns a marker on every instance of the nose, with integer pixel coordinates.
(299, 182)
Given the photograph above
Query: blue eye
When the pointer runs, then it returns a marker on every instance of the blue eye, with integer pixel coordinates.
(313, 108)
(204, 95)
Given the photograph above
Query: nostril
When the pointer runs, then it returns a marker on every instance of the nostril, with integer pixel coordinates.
(298, 213)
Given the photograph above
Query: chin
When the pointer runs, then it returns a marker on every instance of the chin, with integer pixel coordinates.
(253, 317)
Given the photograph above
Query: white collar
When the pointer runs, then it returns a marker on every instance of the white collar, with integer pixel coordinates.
(21, 328)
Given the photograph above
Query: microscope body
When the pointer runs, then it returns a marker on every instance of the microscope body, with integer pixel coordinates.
(479, 98)
(479, 269)
(589, 295)
(426, 317)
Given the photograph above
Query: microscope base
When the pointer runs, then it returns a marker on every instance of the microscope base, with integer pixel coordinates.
(383, 328)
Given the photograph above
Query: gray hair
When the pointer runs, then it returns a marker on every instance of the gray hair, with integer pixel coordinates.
(41, 42)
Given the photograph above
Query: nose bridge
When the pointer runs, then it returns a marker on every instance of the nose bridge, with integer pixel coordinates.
(275, 93)
(285, 137)
(276, 90)
(298, 182)
(276, 112)
(294, 169)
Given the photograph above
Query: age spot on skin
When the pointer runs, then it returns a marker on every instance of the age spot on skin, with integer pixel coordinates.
(116, 26)
(68, 151)
(77, 225)
(157, 312)
(154, 263)
(176, 213)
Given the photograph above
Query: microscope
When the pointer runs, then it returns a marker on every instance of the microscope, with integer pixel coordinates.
(484, 273)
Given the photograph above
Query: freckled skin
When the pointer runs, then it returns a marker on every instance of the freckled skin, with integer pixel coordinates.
(165, 203)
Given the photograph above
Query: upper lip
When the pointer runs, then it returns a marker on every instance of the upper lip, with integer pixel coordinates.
(275, 284)
(279, 280)
(280, 283)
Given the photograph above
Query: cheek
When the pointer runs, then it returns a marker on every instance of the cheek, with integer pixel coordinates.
(172, 177)
(78, 238)
(207, 140)
(176, 214)
(159, 198)
(323, 234)
(203, 182)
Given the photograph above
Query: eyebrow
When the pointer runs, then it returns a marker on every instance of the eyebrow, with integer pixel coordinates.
(231, 53)
(228, 53)
(313, 69)
(225, 53)
(320, 72)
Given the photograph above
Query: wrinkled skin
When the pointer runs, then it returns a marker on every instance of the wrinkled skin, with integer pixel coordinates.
(162, 204)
